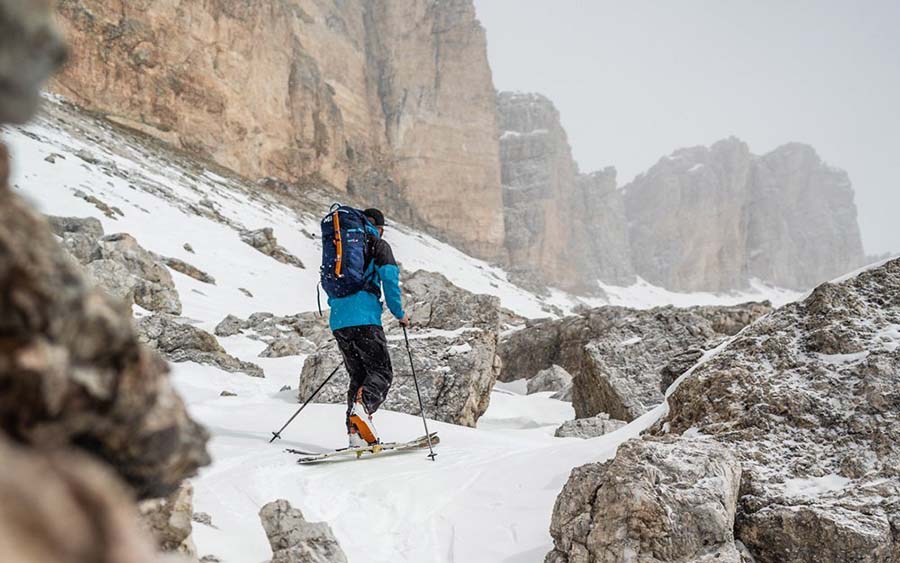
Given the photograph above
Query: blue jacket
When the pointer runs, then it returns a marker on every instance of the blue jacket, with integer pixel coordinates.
(365, 307)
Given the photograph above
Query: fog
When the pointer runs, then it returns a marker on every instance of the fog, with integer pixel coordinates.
(635, 80)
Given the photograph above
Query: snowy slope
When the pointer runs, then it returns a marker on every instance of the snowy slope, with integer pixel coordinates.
(489, 496)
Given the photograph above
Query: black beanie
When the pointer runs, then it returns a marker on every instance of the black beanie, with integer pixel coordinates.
(376, 216)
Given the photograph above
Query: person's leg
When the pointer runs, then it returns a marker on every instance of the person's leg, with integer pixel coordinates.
(379, 372)
(346, 339)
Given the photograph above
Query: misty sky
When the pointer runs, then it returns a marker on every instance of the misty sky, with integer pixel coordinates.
(636, 79)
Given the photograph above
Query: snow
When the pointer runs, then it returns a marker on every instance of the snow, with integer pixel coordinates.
(644, 295)
(490, 494)
(513, 134)
(695, 168)
(815, 486)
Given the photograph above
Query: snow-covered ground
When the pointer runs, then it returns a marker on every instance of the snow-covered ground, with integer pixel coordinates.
(489, 495)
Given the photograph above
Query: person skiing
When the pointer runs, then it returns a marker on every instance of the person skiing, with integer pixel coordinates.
(355, 322)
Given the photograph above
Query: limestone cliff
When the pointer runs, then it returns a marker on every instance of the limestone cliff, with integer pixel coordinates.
(711, 219)
(390, 101)
(562, 228)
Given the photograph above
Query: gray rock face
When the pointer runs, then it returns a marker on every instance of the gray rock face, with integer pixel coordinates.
(553, 378)
(286, 336)
(181, 342)
(710, 219)
(808, 399)
(264, 240)
(294, 540)
(668, 500)
(616, 355)
(169, 520)
(561, 227)
(456, 371)
(589, 427)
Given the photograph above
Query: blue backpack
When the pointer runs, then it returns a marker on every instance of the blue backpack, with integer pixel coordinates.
(347, 267)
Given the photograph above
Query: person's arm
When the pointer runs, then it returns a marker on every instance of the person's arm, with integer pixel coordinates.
(389, 273)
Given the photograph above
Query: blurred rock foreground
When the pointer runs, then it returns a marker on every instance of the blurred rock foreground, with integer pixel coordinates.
(89, 420)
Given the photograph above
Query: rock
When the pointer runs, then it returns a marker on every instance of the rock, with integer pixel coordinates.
(169, 520)
(284, 388)
(589, 427)
(566, 394)
(616, 355)
(153, 288)
(227, 394)
(807, 398)
(432, 301)
(63, 506)
(246, 292)
(658, 500)
(294, 540)
(189, 248)
(291, 345)
(553, 378)
(203, 518)
(562, 228)
(455, 374)
(337, 78)
(114, 278)
(711, 219)
(210, 559)
(75, 372)
(678, 364)
(88, 226)
(264, 240)
(182, 342)
(230, 326)
(188, 270)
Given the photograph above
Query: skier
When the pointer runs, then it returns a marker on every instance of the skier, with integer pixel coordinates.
(356, 324)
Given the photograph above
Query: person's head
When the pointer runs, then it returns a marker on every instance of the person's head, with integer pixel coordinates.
(376, 217)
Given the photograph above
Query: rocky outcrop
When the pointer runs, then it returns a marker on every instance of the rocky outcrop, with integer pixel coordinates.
(391, 102)
(454, 347)
(588, 427)
(553, 378)
(292, 335)
(264, 241)
(187, 269)
(119, 264)
(562, 228)
(668, 500)
(617, 355)
(64, 507)
(808, 400)
(711, 219)
(181, 342)
(169, 520)
(294, 540)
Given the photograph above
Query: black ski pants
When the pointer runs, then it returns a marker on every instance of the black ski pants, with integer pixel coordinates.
(365, 352)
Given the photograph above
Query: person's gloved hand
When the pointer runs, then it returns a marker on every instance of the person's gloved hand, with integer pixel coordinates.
(404, 322)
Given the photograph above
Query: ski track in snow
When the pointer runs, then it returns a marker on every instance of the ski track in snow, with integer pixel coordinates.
(490, 494)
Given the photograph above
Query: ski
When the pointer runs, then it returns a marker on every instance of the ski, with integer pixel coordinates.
(390, 447)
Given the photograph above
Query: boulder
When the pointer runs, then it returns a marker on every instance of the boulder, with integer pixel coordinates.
(154, 288)
(310, 328)
(455, 373)
(291, 345)
(565, 394)
(169, 520)
(230, 326)
(264, 241)
(181, 342)
(616, 355)
(454, 347)
(553, 378)
(808, 399)
(74, 372)
(589, 427)
(294, 540)
(191, 271)
(659, 500)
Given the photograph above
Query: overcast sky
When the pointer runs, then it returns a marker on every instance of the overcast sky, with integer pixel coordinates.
(636, 79)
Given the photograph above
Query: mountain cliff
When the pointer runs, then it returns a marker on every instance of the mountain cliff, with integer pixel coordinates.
(711, 219)
(391, 102)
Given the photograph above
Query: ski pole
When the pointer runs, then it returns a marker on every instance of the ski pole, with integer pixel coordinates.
(418, 394)
(277, 435)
